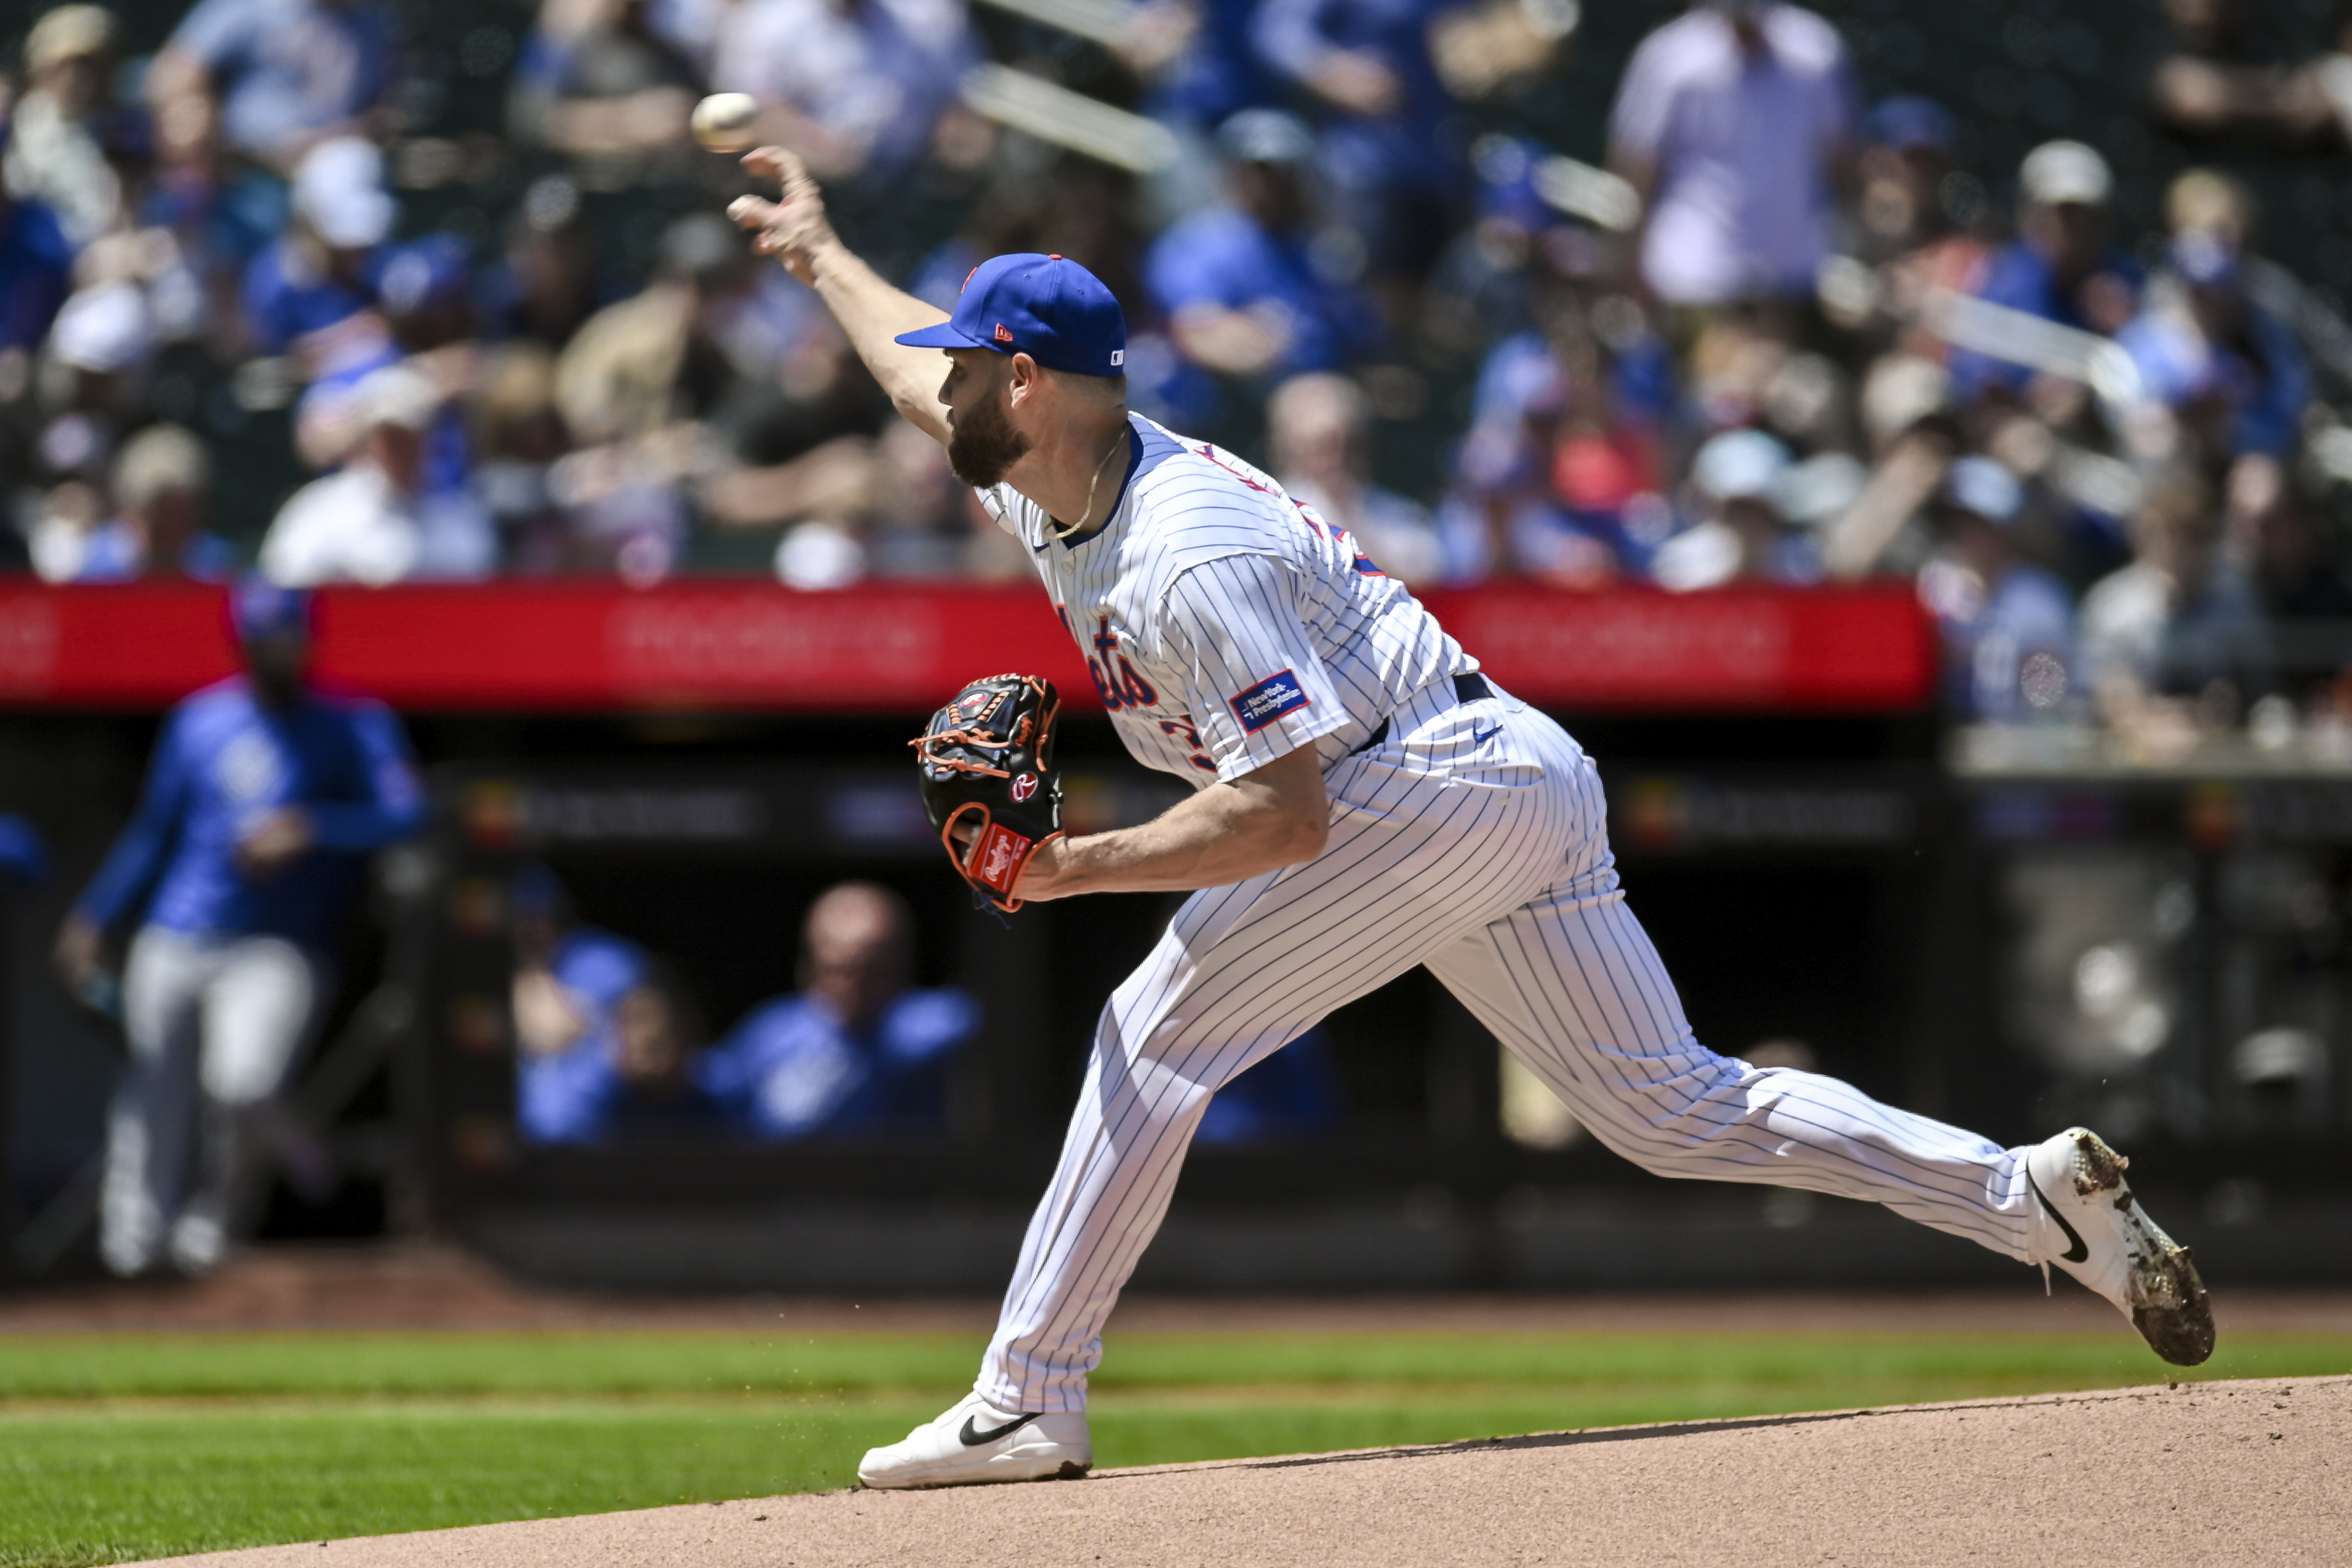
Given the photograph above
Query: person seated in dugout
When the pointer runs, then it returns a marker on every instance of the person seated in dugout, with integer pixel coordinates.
(606, 1038)
(858, 1052)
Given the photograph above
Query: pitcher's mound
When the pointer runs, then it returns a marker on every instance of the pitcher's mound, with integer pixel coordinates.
(2205, 1473)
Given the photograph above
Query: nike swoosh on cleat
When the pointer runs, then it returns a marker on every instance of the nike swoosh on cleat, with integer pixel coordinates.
(973, 1437)
(1481, 736)
(2077, 1254)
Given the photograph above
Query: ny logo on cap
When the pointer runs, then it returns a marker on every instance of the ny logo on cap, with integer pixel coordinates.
(1004, 333)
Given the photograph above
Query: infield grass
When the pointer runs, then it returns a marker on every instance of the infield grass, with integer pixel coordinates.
(121, 1446)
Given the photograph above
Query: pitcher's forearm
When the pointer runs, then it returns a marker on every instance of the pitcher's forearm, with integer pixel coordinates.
(796, 232)
(872, 313)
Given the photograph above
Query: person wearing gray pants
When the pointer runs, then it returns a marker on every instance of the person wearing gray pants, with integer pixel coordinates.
(262, 802)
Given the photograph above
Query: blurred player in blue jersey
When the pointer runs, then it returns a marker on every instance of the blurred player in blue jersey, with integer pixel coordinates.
(264, 797)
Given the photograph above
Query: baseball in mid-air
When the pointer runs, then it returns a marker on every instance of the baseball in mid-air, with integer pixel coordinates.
(727, 122)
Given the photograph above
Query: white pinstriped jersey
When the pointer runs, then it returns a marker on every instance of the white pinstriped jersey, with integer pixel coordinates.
(1225, 623)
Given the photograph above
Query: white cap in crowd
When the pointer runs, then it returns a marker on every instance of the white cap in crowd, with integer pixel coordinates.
(1739, 465)
(396, 395)
(1984, 486)
(2059, 172)
(104, 330)
(339, 192)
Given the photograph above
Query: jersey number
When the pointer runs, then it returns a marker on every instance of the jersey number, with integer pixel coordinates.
(1185, 730)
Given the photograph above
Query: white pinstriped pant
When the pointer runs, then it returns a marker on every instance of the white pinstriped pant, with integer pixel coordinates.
(1484, 855)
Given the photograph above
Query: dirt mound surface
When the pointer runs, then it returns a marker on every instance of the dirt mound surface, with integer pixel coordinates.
(2256, 1472)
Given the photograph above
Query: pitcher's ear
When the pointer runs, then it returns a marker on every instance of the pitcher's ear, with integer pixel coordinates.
(1027, 376)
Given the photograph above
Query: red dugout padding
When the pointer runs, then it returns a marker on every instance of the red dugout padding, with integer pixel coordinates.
(587, 646)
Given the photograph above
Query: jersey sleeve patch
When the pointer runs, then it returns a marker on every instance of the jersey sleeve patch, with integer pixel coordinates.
(1261, 705)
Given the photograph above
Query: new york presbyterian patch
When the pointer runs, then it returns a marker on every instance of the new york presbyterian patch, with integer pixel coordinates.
(1261, 703)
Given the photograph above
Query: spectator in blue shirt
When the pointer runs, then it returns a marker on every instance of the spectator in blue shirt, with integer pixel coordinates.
(313, 292)
(604, 1035)
(1390, 147)
(160, 481)
(264, 799)
(1239, 284)
(2061, 268)
(288, 74)
(1199, 56)
(857, 1052)
(2008, 625)
(2230, 371)
(36, 263)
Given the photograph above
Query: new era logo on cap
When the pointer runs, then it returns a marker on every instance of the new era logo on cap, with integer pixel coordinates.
(1046, 307)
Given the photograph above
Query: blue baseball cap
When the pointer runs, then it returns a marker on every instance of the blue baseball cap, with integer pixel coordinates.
(260, 608)
(1046, 307)
(1907, 122)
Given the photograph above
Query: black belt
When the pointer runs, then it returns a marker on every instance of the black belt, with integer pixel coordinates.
(1470, 689)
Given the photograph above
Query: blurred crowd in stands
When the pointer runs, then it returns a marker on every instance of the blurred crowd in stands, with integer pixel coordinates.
(612, 1049)
(1778, 334)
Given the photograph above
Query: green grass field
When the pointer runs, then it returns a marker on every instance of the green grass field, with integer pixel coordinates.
(115, 1447)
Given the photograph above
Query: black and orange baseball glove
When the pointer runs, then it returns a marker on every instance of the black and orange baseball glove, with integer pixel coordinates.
(986, 762)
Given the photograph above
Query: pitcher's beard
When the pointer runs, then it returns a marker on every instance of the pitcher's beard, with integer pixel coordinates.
(984, 447)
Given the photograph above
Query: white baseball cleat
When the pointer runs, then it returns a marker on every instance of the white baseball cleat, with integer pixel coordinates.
(2086, 1221)
(975, 1443)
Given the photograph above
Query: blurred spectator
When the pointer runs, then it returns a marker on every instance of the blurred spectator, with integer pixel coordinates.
(159, 483)
(99, 348)
(2007, 626)
(857, 1052)
(2228, 79)
(287, 74)
(1389, 151)
(520, 437)
(56, 149)
(2270, 531)
(1294, 1093)
(605, 1043)
(312, 294)
(641, 366)
(373, 522)
(2173, 642)
(216, 215)
(596, 81)
(36, 260)
(92, 390)
(1743, 537)
(1319, 429)
(2061, 267)
(2229, 372)
(1198, 56)
(424, 310)
(1905, 156)
(663, 386)
(1905, 226)
(852, 86)
(1481, 288)
(543, 287)
(1238, 283)
(1732, 122)
(263, 800)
